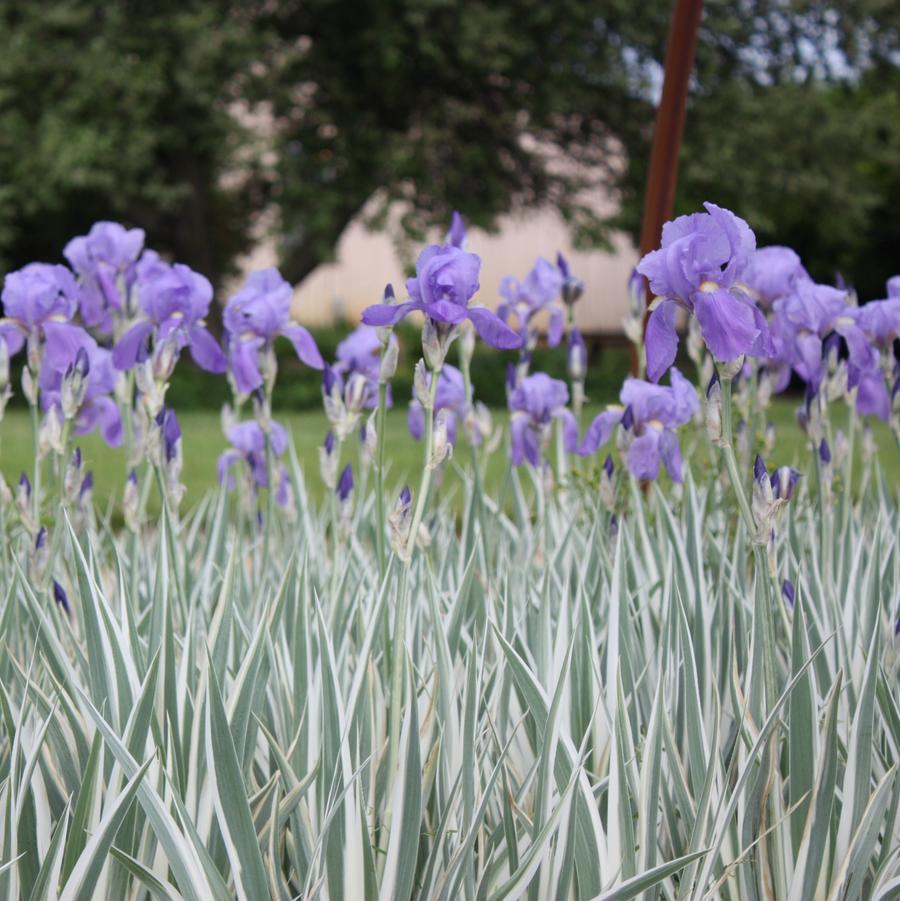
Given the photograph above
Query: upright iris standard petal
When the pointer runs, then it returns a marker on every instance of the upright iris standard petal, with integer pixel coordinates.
(698, 267)
(773, 272)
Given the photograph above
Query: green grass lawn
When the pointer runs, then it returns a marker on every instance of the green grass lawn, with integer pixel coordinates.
(203, 442)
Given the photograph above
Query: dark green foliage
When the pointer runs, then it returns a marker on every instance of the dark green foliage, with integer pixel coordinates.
(119, 111)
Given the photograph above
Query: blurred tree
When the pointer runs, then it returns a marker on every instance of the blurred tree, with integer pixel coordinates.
(122, 110)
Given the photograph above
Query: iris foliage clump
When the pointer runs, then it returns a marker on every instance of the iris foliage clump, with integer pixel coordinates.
(622, 675)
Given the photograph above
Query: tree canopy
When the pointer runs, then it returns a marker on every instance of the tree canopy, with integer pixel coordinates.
(192, 119)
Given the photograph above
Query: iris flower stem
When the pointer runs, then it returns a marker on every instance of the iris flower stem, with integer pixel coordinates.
(403, 594)
(36, 475)
(476, 469)
(379, 481)
(335, 522)
(127, 413)
(759, 552)
(270, 478)
(730, 460)
(59, 525)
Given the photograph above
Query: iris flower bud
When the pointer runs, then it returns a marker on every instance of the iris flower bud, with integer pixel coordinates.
(29, 387)
(421, 390)
(466, 346)
(577, 356)
(608, 485)
(770, 496)
(788, 592)
(61, 598)
(328, 461)
(131, 502)
(73, 477)
(432, 345)
(441, 448)
(572, 286)
(384, 332)
(50, 433)
(399, 523)
(74, 385)
(388, 365)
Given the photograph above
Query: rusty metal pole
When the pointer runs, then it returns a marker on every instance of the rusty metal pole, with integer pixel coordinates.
(662, 177)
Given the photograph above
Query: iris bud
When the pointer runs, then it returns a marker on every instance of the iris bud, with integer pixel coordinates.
(50, 433)
(399, 523)
(712, 411)
(421, 389)
(73, 477)
(388, 365)
(328, 461)
(441, 448)
(29, 387)
(608, 485)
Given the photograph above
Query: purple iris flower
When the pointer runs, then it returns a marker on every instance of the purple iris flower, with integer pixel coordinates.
(805, 319)
(771, 273)
(98, 410)
(105, 260)
(249, 444)
(880, 321)
(697, 267)
(446, 280)
(534, 404)
(525, 300)
(649, 415)
(39, 302)
(360, 352)
(175, 301)
(254, 317)
(450, 396)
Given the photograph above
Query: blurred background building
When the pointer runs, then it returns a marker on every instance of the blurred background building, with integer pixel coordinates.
(366, 261)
